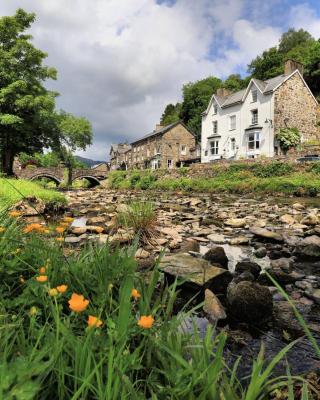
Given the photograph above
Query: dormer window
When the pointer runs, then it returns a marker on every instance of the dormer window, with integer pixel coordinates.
(215, 109)
(254, 95)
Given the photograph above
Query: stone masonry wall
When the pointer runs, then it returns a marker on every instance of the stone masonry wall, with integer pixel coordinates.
(294, 107)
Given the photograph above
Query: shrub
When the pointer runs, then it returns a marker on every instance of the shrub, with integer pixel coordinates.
(275, 168)
(288, 138)
(116, 178)
(315, 168)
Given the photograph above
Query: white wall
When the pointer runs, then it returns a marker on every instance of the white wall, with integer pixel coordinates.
(242, 112)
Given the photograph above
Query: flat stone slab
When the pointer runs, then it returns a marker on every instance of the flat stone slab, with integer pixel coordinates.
(266, 233)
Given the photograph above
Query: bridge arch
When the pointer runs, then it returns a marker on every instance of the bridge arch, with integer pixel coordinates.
(53, 178)
(93, 180)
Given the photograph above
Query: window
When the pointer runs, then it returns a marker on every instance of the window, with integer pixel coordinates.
(206, 152)
(215, 109)
(233, 144)
(134, 149)
(254, 141)
(169, 163)
(254, 95)
(254, 117)
(214, 147)
(183, 149)
(158, 150)
(232, 122)
(215, 126)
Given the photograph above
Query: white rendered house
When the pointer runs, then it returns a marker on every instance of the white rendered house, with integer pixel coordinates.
(243, 124)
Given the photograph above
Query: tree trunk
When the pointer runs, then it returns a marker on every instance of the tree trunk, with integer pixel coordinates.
(7, 162)
(69, 181)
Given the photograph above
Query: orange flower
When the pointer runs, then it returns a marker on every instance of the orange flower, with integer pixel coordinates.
(98, 229)
(2, 229)
(146, 321)
(42, 278)
(14, 214)
(34, 227)
(42, 270)
(78, 303)
(135, 294)
(94, 322)
(60, 239)
(62, 288)
(60, 229)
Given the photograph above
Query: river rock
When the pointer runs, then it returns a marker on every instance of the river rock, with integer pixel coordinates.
(239, 240)
(217, 238)
(141, 253)
(72, 240)
(285, 264)
(248, 266)
(266, 233)
(310, 219)
(298, 206)
(249, 302)
(217, 255)
(30, 206)
(198, 273)
(212, 307)
(236, 222)
(287, 219)
(309, 246)
(261, 252)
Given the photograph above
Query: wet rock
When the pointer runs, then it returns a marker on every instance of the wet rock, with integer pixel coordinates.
(315, 295)
(260, 252)
(286, 320)
(309, 246)
(249, 302)
(217, 255)
(244, 276)
(285, 264)
(266, 233)
(239, 240)
(236, 222)
(217, 238)
(212, 307)
(198, 273)
(248, 266)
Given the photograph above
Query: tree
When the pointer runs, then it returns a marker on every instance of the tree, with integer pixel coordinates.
(268, 65)
(234, 82)
(76, 134)
(196, 97)
(27, 122)
(171, 114)
(293, 38)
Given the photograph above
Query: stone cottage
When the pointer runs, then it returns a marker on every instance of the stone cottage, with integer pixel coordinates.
(168, 146)
(118, 155)
(244, 124)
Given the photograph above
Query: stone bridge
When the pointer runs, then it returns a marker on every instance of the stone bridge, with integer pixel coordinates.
(58, 174)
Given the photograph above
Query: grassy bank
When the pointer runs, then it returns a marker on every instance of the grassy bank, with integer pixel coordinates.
(87, 326)
(13, 190)
(274, 177)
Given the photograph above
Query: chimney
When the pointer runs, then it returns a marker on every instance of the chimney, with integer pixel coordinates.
(223, 92)
(158, 127)
(292, 65)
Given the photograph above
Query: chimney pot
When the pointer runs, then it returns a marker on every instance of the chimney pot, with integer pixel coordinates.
(158, 127)
(223, 92)
(291, 66)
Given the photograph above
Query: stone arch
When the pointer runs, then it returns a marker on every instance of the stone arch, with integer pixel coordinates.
(94, 181)
(54, 178)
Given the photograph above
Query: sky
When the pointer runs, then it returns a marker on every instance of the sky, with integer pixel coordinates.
(120, 62)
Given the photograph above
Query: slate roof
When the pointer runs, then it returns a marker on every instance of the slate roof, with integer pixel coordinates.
(121, 148)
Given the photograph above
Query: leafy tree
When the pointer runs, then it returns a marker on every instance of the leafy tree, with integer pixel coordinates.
(234, 82)
(171, 114)
(268, 65)
(288, 138)
(26, 106)
(196, 97)
(293, 38)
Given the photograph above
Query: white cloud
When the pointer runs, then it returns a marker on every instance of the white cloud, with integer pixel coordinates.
(305, 17)
(121, 61)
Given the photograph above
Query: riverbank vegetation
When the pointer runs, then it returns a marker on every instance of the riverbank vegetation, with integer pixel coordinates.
(14, 190)
(88, 326)
(274, 178)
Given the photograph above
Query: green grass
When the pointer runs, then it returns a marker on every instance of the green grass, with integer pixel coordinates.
(48, 352)
(13, 190)
(273, 177)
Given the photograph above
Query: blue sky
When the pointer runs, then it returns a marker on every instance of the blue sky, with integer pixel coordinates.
(120, 62)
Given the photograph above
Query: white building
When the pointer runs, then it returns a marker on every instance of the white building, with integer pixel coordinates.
(243, 124)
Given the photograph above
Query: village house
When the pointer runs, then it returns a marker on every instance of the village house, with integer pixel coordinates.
(244, 124)
(118, 155)
(168, 146)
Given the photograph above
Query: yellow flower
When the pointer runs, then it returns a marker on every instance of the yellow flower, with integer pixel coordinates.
(14, 214)
(53, 292)
(42, 270)
(62, 288)
(17, 251)
(2, 229)
(60, 239)
(42, 278)
(146, 321)
(98, 229)
(33, 310)
(94, 322)
(78, 303)
(34, 227)
(135, 294)
(21, 278)
(60, 229)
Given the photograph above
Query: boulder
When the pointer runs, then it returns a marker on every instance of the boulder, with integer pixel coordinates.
(212, 307)
(198, 273)
(217, 255)
(309, 246)
(249, 302)
(248, 266)
(266, 233)
(310, 219)
(260, 252)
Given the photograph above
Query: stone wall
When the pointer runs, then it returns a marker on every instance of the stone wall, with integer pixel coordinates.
(294, 107)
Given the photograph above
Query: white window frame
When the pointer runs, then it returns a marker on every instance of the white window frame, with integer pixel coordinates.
(215, 109)
(233, 144)
(254, 138)
(254, 95)
(215, 126)
(183, 150)
(214, 147)
(254, 116)
(232, 122)
(169, 164)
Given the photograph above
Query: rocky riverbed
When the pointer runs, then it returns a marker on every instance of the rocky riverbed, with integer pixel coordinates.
(221, 247)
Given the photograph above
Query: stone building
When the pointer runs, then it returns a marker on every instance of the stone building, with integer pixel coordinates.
(244, 124)
(168, 146)
(118, 155)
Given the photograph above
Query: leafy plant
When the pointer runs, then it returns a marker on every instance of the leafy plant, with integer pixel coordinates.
(288, 138)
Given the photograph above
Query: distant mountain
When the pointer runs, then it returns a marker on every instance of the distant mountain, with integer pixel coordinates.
(88, 161)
